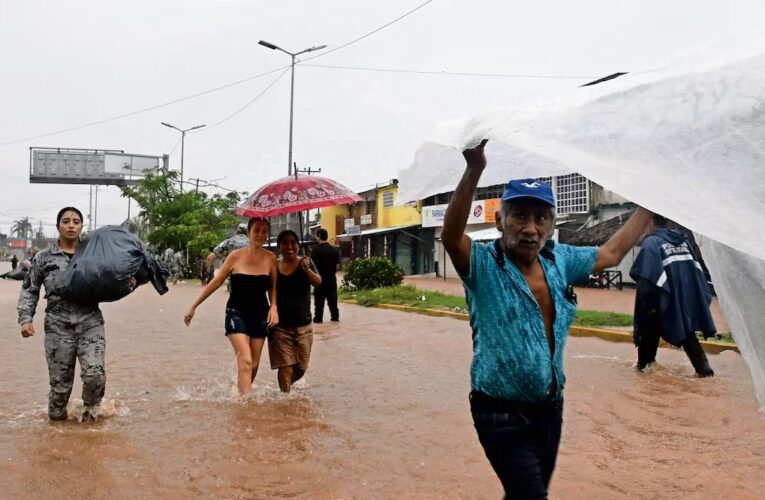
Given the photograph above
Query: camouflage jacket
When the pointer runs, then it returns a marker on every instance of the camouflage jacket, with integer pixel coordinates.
(230, 244)
(46, 267)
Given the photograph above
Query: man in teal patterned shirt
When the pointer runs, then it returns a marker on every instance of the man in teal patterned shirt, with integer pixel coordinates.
(521, 301)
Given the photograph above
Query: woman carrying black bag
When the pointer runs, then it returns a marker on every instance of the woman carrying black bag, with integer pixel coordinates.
(72, 330)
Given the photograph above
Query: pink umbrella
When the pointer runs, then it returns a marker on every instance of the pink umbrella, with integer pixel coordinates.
(289, 194)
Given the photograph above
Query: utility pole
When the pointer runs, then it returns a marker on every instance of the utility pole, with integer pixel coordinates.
(306, 171)
(95, 210)
(198, 180)
(130, 178)
(90, 209)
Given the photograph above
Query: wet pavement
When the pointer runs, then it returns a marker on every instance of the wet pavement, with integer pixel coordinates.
(383, 414)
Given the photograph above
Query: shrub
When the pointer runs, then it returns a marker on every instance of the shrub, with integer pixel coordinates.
(373, 272)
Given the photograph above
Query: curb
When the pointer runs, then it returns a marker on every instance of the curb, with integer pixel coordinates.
(710, 346)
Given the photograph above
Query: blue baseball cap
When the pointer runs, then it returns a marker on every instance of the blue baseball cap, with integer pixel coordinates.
(529, 188)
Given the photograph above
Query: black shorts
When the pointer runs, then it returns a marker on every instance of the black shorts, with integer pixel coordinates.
(252, 326)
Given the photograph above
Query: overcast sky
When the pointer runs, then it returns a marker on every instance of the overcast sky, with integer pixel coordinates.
(67, 63)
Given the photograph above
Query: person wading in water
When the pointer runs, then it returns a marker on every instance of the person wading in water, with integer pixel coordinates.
(72, 330)
(289, 346)
(521, 300)
(251, 307)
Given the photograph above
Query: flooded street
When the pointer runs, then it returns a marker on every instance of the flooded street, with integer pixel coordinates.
(383, 413)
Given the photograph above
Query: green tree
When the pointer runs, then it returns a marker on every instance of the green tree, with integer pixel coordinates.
(191, 220)
(22, 227)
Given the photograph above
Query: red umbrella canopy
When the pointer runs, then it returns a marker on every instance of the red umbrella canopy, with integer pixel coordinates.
(288, 195)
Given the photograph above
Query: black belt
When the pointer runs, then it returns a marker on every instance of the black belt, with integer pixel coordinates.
(500, 405)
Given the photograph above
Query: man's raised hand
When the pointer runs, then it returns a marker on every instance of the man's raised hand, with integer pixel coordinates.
(475, 157)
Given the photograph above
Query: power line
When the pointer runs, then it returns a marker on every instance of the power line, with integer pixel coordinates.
(209, 91)
(175, 147)
(355, 40)
(444, 73)
(268, 87)
(143, 110)
(399, 18)
(25, 211)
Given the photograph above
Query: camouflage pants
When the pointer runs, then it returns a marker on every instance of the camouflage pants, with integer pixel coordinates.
(65, 342)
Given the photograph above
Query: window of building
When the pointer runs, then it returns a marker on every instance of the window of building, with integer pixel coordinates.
(372, 207)
(572, 193)
(489, 192)
(388, 199)
(443, 198)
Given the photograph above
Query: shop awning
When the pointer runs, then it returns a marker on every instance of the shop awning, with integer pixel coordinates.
(489, 234)
(377, 230)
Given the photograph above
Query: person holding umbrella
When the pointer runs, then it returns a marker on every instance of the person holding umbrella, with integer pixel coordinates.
(251, 307)
(289, 345)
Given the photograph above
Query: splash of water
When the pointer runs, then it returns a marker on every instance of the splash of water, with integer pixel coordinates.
(76, 410)
(224, 390)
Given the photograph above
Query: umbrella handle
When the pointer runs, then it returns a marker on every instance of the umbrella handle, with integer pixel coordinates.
(300, 221)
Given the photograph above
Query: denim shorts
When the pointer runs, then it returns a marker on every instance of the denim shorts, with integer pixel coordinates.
(252, 326)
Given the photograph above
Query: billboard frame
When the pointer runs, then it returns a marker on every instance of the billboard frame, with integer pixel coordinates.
(114, 179)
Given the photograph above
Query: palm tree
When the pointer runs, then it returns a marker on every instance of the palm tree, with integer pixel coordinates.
(22, 227)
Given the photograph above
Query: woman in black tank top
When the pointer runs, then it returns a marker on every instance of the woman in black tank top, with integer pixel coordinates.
(251, 307)
(289, 346)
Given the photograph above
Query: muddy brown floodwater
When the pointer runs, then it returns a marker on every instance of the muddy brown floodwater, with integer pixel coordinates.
(383, 414)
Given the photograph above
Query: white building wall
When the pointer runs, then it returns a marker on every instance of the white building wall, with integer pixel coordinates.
(626, 265)
(445, 265)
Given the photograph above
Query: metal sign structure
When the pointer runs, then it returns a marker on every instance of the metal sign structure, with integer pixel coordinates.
(93, 167)
(89, 166)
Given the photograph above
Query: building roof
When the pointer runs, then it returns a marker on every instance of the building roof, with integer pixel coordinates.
(599, 233)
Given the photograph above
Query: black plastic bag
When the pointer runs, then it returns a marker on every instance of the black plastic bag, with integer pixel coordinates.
(103, 266)
(17, 274)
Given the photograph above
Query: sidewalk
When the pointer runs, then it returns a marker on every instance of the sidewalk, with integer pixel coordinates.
(592, 299)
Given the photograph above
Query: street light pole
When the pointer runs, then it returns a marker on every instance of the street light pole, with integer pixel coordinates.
(292, 108)
(293, 55)
(183, 150)
(183, 142)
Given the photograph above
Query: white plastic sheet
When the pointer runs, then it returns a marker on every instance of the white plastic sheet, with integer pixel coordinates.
(687, 141)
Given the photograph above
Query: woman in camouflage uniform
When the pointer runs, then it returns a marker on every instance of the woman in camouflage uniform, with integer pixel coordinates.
(72, 330)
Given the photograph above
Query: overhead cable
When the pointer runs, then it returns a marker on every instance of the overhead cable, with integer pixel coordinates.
(445, 73)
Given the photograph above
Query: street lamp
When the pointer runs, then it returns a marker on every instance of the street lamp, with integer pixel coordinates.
(183, 142)
(292, 87)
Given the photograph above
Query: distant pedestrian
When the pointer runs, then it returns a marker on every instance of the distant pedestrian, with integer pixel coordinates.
(72, 330)
(327, 260)
(14, 262)
(290, 341)
(210, 265)
(235, 242)
(167, 257)
(177, 267)
(200, 268)
(672, 299)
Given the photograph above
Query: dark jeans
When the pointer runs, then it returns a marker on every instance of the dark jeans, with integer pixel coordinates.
(327, 291)
(520, 440)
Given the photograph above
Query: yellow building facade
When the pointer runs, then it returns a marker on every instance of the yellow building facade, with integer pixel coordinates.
(377, 211)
